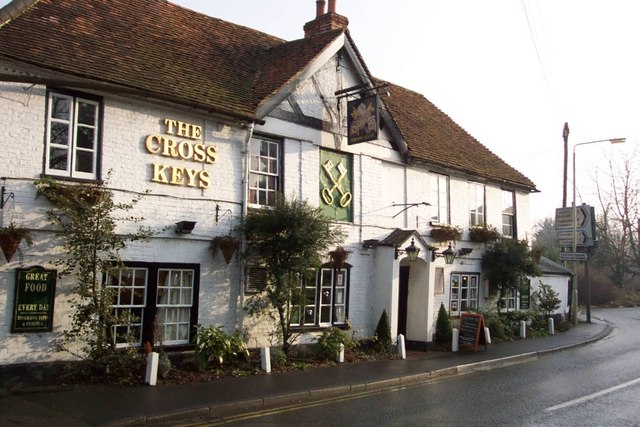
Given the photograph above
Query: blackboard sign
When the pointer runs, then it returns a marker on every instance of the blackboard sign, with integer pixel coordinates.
(472, 331)
(34, 300)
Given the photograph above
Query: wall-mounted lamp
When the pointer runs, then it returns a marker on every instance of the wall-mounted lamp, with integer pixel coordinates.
(464, 251)
(448, 254)
(412, 251)
(185, 227)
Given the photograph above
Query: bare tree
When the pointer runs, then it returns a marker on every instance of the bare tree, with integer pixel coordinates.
(618, 225)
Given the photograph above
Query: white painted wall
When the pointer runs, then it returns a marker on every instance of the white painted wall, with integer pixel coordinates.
(380, 181)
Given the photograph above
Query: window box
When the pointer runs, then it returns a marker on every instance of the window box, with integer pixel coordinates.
(445, 233)
(484, 234)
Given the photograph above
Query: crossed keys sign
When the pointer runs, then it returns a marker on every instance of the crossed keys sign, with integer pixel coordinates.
(327, 193)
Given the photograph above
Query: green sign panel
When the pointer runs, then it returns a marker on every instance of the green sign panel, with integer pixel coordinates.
(525, 296)
(336, 188)
(34, 300)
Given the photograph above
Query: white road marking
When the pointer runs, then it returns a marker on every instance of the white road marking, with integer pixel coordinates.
(592, 396)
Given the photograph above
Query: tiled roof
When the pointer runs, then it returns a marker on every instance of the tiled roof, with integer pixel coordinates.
(397, 237)
(149, 45)
(551, 267)
(287, 61)
(435, 139)
(168, 52)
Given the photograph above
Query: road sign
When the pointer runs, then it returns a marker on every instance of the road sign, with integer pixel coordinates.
(585, 226)
(565, 238)
(564, 217)
(573, 256)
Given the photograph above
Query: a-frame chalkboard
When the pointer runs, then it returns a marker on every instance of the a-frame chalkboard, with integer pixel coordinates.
(472, 331)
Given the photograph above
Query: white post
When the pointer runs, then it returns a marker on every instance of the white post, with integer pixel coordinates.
(523, 329)
(341, 354)
(551, 326)
(401, 349)
(151, 376)
(265, 359)
(487, 334)
(454, 340)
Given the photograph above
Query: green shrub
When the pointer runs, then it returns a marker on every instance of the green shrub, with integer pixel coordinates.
(382, 337)
(443, 327)
(329, 343)
(546, 300)
(214, 346)
(278, 357)
(497, 328)
(627, 298)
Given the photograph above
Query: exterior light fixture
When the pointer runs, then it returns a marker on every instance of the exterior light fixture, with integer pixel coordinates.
(448, 254)
(412, 251)
(185, 227)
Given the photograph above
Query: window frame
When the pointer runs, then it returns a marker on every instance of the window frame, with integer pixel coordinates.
(270, 194)
(439, 198)
(72, 146)
(121, 306)
(151, 308)
(314, 298)
(456, 299)
(477, 218)
(512, 215)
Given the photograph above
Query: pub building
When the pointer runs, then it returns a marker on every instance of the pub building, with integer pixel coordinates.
(207, 119)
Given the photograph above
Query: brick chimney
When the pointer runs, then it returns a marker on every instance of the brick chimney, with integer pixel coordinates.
(325, 22)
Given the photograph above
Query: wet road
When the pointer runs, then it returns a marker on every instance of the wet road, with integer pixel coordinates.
(594, 385)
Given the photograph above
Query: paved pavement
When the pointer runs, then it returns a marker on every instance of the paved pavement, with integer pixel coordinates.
(164, 404)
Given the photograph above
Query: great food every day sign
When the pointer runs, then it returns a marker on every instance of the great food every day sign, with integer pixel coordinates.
(191, 149)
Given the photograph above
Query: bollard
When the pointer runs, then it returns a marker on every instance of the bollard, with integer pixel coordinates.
(265, 359)
(454, 340)
(151, 376)
(487, 334)
(551, 326)
(401, 349)
(341, 354)
(523, 329)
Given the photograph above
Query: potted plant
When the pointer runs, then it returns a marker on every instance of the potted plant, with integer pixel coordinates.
(10, 238)
(484, 233)
(227, 245)
(443, 233)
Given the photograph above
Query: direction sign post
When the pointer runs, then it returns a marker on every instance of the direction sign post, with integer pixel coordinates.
(573, 256)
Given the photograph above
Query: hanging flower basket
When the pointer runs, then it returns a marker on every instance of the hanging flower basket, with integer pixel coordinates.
(339, 255)
(10, 238)
(484, 234)
(228, 245)
(445, 233)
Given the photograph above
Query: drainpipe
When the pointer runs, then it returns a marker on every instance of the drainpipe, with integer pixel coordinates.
(245, 201)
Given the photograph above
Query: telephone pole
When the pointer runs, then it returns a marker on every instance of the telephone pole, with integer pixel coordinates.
(565, 136)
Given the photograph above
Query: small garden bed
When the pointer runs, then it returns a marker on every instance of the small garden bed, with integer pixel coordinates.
(185, 369)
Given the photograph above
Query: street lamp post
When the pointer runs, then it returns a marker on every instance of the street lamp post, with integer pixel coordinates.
(574, 294)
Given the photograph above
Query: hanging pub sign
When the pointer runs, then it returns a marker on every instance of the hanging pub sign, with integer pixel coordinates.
(34, 299)
(362, 120)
